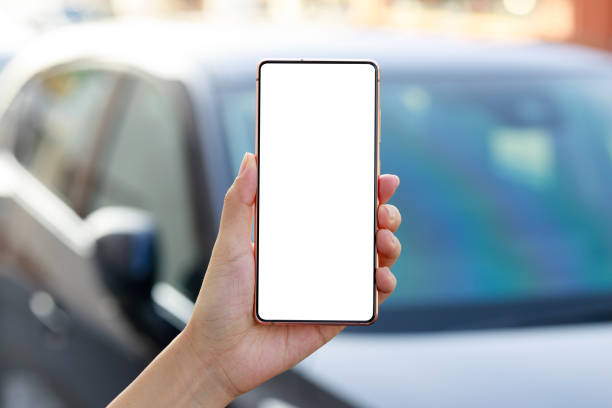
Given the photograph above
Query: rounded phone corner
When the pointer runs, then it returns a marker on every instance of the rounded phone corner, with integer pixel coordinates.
(374, 317)
(258, 318)
(260, 66)
(376, 67)
(372, 320)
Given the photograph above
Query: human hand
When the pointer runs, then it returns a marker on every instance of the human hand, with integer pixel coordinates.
(222, 329)
(223, 352)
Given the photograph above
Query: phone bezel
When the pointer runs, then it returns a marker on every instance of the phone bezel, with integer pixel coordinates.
(370, 321)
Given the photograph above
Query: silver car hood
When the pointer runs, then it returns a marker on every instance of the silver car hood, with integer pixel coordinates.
(545, 367)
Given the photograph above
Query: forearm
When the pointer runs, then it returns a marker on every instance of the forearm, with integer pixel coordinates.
(177, 378)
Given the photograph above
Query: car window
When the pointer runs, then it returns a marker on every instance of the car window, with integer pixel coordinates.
(505, 188)
(56, 119)
(145, 167)
(512, 181)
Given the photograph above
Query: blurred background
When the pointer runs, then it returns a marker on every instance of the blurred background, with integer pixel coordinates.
(123, 122)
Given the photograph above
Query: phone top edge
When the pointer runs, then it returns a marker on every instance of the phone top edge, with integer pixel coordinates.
(317, 61)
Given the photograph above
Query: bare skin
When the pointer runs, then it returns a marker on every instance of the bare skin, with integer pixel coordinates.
(223, 352)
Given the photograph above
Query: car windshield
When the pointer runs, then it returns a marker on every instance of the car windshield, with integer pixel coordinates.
(505, 186)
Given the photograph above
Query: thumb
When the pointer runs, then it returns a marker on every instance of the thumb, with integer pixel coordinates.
(234, 237)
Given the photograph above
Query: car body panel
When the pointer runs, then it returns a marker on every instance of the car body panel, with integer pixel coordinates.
(37, 236)
(42, 349)
(535, 367)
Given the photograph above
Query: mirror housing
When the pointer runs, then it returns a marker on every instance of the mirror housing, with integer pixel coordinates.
(126, 251)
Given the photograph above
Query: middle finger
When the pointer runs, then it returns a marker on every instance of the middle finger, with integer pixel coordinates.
(389, 217)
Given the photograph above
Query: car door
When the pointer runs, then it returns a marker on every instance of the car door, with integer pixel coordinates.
(52, 132)
(57, 125)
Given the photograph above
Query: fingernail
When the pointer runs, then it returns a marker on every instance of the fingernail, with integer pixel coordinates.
(243, 166)
(397, 180)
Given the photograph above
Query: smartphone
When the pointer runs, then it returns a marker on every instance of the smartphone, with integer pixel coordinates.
(317, 143)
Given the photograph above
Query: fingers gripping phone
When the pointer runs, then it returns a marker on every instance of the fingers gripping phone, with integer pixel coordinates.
(317, 142)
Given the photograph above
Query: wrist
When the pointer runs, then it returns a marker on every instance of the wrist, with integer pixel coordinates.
(202, 371)
(178, 377)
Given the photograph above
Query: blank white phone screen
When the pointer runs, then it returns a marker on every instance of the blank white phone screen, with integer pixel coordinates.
(316, 197)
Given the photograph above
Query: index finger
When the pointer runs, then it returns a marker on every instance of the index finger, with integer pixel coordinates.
(387, 184)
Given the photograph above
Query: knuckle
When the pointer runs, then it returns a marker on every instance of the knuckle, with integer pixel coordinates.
(398, 248)
(383, 233)
(399, 218)
(394, 209)
(228, 194)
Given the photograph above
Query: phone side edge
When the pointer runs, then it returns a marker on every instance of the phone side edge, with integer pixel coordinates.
(377, 138)
(256, 212)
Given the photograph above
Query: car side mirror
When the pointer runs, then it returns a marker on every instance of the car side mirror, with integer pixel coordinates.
(125, 250)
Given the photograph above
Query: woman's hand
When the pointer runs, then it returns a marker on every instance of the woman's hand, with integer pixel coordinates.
(223, 351)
